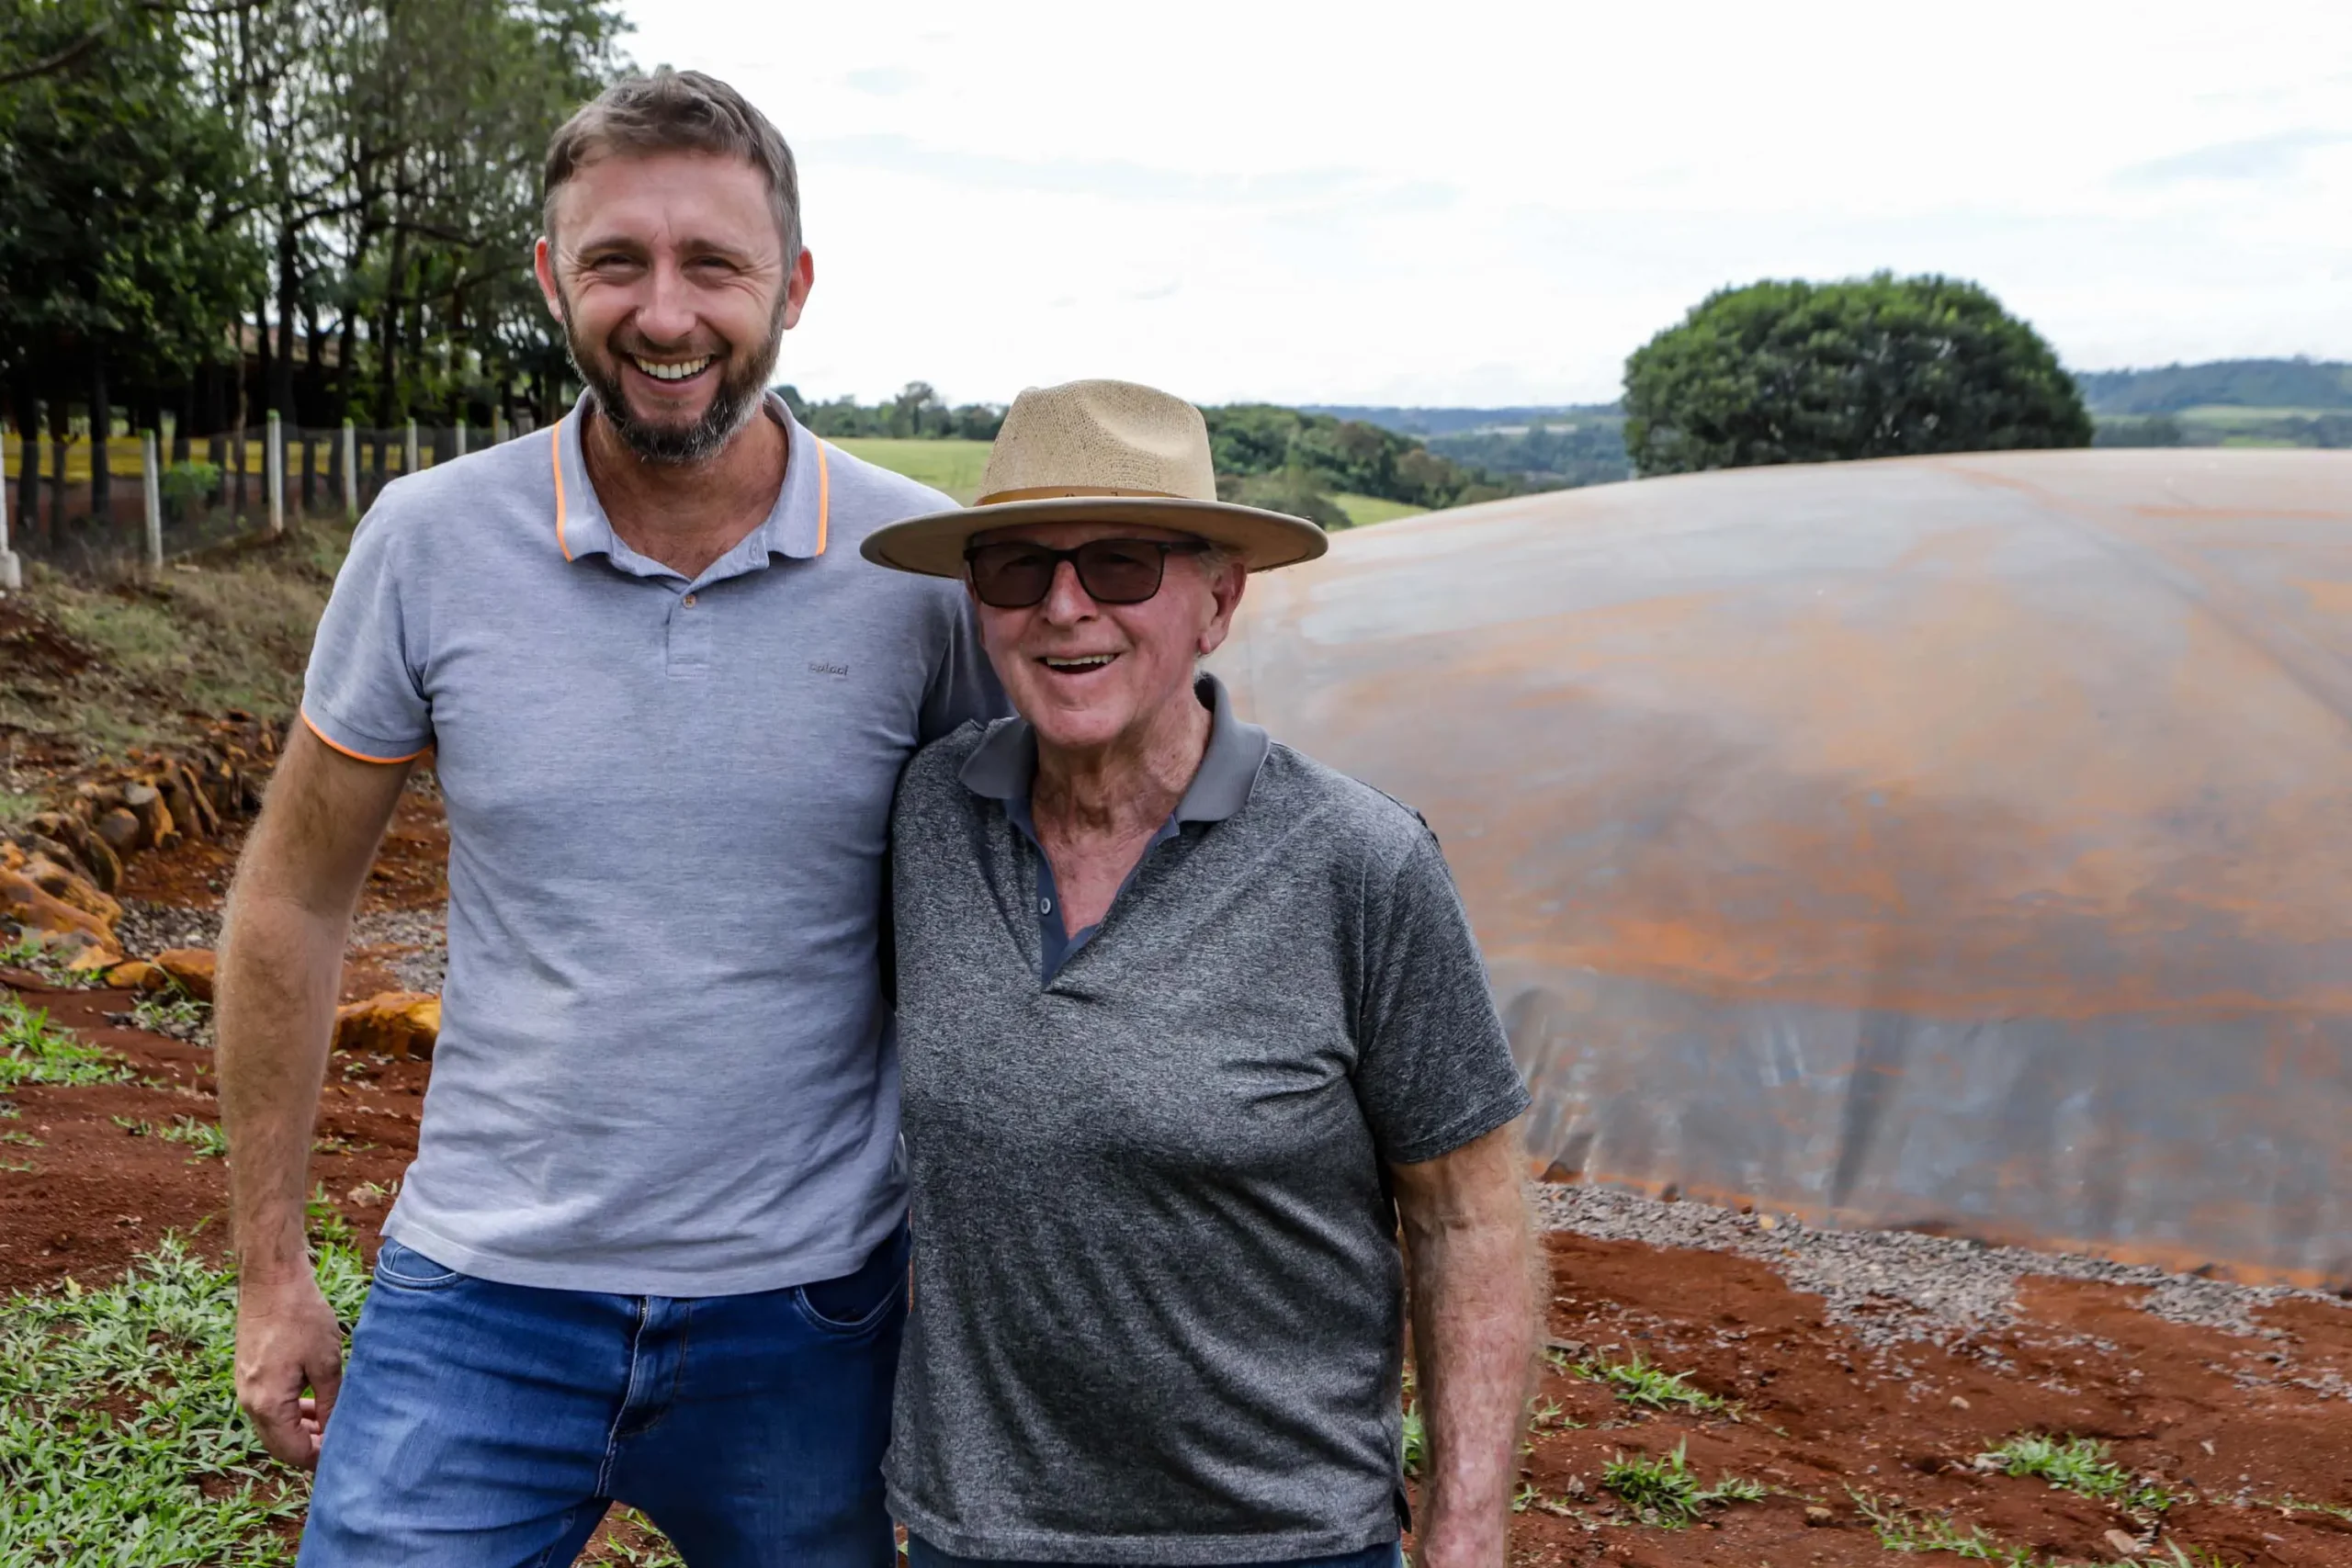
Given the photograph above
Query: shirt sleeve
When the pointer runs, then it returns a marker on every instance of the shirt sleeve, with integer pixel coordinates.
(365, 694)
(1434, 1068)
(964, 685)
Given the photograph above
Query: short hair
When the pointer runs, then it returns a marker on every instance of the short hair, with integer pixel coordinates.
(676, 111)
(1216, 558)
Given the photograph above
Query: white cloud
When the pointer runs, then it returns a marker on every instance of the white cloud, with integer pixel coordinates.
(1495, 203)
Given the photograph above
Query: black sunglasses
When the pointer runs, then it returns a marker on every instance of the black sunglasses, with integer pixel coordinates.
(1016, 574)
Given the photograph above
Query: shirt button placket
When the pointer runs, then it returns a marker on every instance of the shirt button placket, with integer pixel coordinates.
(688, 636)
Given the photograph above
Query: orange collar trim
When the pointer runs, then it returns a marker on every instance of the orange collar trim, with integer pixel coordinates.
(555, 456)
(824, 492)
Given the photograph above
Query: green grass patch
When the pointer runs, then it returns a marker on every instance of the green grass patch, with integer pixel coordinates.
(1551, 1415)
(654, 1550)
(1362, 511)
(2290, 1504)
(1639, 1383)
(35, 1051)
(15, 808)
(29, 954)
(2080, 1465)
(1906, 1529)
(115, 1403)
(954, 466)
(1666, 1491)
(170, 1011)
(232, 633)
(2227, 415)
(205, 1137)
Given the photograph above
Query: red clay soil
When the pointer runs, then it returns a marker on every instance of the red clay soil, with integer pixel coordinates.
(2205, 1413)
(98, 1194)
(408, 874)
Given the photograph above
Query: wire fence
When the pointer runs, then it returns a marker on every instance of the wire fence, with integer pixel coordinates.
(82, 505)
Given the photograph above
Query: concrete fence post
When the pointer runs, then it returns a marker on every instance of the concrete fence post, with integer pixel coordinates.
(408, 453)
(151, 473)
(12, 575)
(459, 449)
(350, 473)
(273, 456)
(498, 428)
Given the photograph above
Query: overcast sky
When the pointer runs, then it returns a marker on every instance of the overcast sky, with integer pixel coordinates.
(1462, 201)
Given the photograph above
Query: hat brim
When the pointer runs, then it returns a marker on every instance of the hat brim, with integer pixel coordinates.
(933, 545)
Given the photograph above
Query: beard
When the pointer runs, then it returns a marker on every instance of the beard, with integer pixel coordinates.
(742, 384)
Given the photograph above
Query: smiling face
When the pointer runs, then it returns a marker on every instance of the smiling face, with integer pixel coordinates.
(1088, 675)
(668, 275)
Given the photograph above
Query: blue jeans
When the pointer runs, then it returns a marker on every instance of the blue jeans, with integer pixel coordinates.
(489, 1425)
(920, 1554)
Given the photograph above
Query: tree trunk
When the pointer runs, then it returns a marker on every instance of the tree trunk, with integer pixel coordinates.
(388, 336)
(347, 344)
(216, 426)
(244, 409)
(61, 434)
(263, 345)
(280, 393)
(101, 431)
(27, 459)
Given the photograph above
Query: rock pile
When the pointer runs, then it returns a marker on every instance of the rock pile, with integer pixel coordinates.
(59, 873)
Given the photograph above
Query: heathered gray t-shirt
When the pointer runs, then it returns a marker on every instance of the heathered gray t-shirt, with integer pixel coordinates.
(1157, 1309)
(665, 1063)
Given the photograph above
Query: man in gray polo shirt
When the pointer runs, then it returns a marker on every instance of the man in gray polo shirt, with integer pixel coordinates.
(653, 1247)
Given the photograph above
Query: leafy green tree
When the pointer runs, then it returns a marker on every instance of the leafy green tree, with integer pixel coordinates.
(1346, 456)
(1292, 489)
(121, 254)
(1795, 372)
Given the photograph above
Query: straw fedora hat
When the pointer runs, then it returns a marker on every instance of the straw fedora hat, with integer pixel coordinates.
(1098, 452)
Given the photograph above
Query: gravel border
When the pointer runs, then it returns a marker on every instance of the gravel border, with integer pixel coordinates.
(1890, 1286)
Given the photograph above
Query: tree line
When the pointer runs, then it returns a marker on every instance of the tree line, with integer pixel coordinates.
(215, 208)
(1285, 459)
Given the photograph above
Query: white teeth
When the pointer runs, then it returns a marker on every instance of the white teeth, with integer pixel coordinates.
(678, 372)
(1091, 660)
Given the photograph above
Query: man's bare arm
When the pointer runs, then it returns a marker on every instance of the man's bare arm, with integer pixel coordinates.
(281, 962)
(1469, 1263)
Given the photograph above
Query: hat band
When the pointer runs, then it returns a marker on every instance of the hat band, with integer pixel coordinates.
(1052, 493)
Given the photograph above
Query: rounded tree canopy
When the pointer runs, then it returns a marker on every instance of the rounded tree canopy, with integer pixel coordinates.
(1795, 372)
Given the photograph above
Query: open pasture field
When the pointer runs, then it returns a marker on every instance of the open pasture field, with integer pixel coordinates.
(1366, 510)
(953, 466)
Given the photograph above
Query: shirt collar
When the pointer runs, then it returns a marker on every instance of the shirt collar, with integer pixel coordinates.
(795, 526)
(1005, 765)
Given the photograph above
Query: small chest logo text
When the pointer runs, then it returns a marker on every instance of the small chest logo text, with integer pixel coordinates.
(819, 667)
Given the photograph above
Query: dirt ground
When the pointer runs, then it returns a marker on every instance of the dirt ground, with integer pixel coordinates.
(2247, 1431)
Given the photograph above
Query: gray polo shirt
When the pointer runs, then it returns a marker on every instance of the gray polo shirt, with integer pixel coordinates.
(1159, 1307)
(665, 1063)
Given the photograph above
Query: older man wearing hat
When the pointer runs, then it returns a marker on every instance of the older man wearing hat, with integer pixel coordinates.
(1188, 1024)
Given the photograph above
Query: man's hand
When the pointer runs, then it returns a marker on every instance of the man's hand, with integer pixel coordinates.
(287, 1340)
(281, 966)
(1470, 1264)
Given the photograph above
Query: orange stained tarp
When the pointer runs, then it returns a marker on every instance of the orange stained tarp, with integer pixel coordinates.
(1962, 842)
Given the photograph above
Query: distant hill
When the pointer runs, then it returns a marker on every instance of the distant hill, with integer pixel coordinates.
(1447, 421)
(2310, 384)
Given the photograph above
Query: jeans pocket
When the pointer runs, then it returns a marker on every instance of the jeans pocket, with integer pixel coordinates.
(857, 1302)
(411, 1269)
